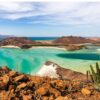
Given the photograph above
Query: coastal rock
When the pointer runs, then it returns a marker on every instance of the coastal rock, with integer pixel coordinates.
(75, 47)
(53, 70)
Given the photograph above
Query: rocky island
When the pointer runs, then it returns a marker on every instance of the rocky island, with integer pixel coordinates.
(70, 42)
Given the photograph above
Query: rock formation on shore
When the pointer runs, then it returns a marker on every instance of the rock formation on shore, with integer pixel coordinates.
(53, 70)
(17, 86)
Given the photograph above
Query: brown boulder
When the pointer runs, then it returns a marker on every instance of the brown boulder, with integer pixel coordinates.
(5, 79)
(55, 92)
(12, 73)
(22, 85)
(51, 97)
(45, 98)
(62, 98)
(42, 91)
(27, 97)
(20, 78)
(85, 91)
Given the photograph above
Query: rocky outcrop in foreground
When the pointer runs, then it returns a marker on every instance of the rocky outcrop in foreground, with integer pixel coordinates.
(53, 70)
(17, 86)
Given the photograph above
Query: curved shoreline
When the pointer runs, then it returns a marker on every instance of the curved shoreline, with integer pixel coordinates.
(49, 47)
(12, 46)
(9, 46)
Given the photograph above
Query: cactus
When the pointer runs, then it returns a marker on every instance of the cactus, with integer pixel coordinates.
(95, 76)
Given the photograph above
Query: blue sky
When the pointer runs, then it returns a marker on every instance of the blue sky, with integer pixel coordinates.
(50, 18)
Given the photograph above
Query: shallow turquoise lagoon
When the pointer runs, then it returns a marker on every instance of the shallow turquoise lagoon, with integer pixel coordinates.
(30, 60)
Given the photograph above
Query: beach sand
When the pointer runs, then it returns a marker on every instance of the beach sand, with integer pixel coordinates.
(12, 46)
(9, 46)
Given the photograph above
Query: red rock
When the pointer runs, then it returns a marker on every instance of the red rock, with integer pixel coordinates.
(5, 79)
(51, 97)
(61, 98)
(55, 92)
(12, 73)
(18, 78)
(42, 91)
(45, 98)
(85, 91)
(27, 97)
(22, 85)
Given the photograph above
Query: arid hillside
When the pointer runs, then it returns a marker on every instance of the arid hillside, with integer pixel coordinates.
(73, 40)
(16, 41)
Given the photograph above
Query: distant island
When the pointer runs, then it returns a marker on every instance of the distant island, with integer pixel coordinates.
(69, 42)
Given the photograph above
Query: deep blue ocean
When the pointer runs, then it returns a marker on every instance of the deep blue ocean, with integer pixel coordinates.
(42, 38)
(36, 38)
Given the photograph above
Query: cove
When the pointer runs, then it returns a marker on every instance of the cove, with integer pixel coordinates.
(31, 60)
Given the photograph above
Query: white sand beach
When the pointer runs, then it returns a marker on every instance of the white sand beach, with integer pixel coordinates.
(9, 46)
(13, 46)
(49, 47)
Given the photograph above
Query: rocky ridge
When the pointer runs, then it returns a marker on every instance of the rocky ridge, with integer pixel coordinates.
(17, 86)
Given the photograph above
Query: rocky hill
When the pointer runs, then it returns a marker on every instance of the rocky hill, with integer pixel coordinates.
(17, 41)
(72, 40)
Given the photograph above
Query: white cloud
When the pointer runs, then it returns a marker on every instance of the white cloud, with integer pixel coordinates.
(54, 13)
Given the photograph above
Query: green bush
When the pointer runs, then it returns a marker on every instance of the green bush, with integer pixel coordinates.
(95, 76)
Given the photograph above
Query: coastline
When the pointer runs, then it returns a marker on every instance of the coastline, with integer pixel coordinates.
(60, 48)
(12, 46)
(9, 46)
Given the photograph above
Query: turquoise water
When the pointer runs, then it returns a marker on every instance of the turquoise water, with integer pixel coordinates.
(30, 60)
